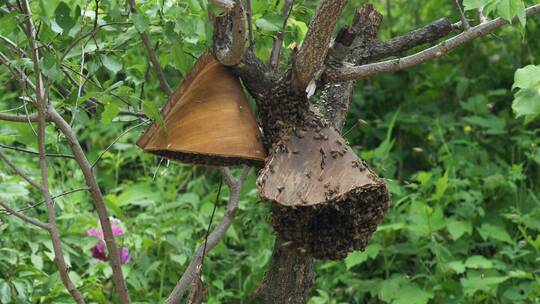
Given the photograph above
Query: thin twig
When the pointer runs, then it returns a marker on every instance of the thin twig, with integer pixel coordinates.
(462, 16)
(54, 197)
(278, 40)
(25, 217)
(152, 54)
(35, 153)
(200, 268)
(235, 187)
(116, 140)
(362, 71)
(18, 170)
(249, 16)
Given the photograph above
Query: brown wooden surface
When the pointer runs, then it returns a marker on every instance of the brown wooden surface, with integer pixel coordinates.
(207, 120)
(316, 167)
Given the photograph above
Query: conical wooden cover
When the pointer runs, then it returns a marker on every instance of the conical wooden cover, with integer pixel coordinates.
(207, 121)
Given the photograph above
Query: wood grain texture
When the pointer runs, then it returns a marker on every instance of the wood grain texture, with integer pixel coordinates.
(315, 167)
(207, 121)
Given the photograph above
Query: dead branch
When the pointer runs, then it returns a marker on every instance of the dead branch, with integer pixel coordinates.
(235, 187)
(355, 72)
(309, 59)
(152, 54)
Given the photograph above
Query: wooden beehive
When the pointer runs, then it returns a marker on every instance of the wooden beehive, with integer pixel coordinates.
(324, 198)
(207, 121)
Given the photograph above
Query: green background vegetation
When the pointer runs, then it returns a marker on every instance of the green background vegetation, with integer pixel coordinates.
(463, 171)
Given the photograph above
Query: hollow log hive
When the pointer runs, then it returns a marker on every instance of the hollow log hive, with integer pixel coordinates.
(324, 198)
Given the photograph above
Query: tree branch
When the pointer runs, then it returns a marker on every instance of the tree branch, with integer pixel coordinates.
(427, 34)
(42, 102)
(309, 59)
(355, 72)
(235, 187)
(19, 118)
(152, 54)
(25, 217)
(230, 35)
(99, 203)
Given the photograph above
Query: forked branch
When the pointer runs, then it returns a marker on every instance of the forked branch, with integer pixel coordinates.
(339, 74)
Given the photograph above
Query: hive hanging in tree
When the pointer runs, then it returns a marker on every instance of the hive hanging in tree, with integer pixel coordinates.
(324, 198)
(207, 121)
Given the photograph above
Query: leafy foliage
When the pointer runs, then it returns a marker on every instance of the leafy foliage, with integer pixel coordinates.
(464, 171)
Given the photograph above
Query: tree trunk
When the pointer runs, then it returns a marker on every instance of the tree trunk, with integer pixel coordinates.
(289, 277)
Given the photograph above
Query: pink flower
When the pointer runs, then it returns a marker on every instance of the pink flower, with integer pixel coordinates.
(124, 255)
(117, 230)
(99, 250)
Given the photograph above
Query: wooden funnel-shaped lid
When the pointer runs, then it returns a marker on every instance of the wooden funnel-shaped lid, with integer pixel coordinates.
(207, 121)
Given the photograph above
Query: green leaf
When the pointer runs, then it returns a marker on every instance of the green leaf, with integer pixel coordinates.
(527, 103)
(357, 257)
(489, 231)
(475, 283)
(266, 25)
(152, 111)
(527, 77)
(412, 294)
(182, 61)
(37, 261)
(478, 261)
(111, 111)
(508, 9)
(457, 266)
(5, 292)
(458, 228)
(440, 187)
(111, 64)
(62, 16)
(141, 22)
(474, 4)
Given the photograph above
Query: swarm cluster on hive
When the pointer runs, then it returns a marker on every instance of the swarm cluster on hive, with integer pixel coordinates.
(324, 198)
(330, 231)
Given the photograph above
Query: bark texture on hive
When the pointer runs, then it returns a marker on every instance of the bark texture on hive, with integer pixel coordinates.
(324, 197)
(207, 121)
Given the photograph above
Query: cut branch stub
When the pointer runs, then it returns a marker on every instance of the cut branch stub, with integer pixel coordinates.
(324, 197)
(207, 121)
